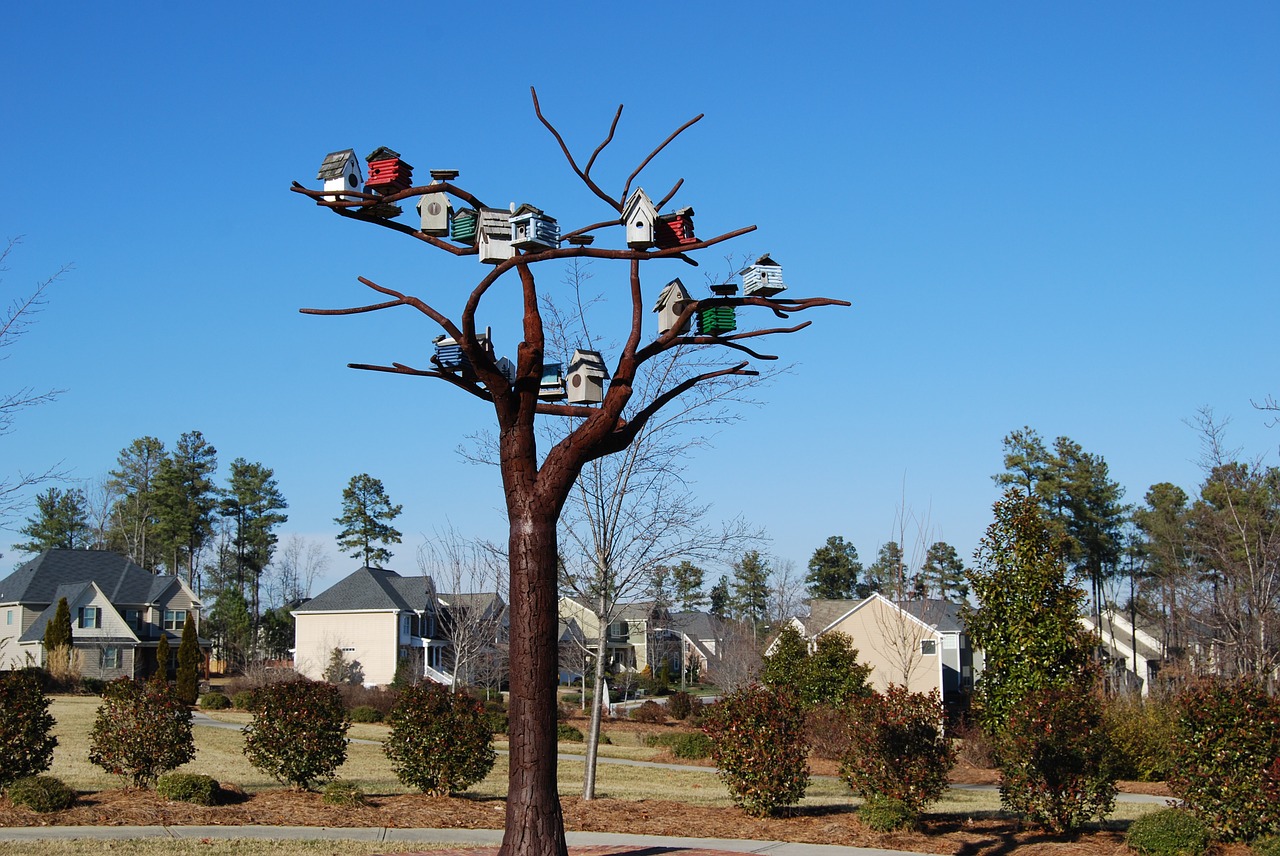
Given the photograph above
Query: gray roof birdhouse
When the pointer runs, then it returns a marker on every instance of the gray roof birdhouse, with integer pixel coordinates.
(436, 214)
(640, 217)
(341, 171)
(494, 236)
(586, 377)
(762, 279)
(532, 229)
(671, 302)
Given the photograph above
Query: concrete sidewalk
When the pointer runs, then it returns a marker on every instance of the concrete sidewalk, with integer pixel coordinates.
(453, 837)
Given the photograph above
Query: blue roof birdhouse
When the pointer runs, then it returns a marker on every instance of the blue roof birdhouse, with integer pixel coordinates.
(532, 229)
(762, 279)
(552, 386)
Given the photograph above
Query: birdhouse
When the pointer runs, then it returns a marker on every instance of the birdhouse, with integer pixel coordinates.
(449, 356)
(672, 230)
(340, 171)
(762, 279)
(552, 386)
(508, 369)
(436, 213)
(640, 218)
(715, 318)
(671, 302)
(493, 236)
(531, 229)
(586, 377)
(465, 223)
(387, 173)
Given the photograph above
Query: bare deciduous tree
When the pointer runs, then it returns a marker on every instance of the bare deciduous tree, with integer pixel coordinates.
(469, 586)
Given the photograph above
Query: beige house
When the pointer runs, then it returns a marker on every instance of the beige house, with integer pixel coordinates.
(636, 638)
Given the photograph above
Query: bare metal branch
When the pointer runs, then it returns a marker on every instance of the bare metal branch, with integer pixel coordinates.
(672, 192)
(586, 179)
(626, 190)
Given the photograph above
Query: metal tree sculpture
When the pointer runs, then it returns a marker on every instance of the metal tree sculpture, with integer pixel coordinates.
(535, 494)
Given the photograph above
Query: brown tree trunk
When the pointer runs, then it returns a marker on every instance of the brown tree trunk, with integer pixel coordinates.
(534, 824)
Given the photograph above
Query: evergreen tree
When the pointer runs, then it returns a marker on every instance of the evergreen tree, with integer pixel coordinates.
(277, 632)
(61, 522)
(186, 500)
(888, 573)
(942, 574)
(834, 570)
(719, 598)
(133, 516)
(750, 593)
(58, 638)
(161, 675)
(189, 658)
(230, 626)
(254, 503)
(784, 666)
(687, 581)
(366, 518)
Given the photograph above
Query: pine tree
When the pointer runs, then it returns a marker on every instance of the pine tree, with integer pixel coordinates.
(186, 499)
(133, 517)
(942, 574)
(750, 598)
(366, 518)
(58, 639)
(833, 570)
(254, 503)
(687, 579)
(189, 663)
(161, 675)
(61, 522)
(888, 573)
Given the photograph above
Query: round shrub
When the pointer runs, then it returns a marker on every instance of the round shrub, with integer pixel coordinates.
(1168, 832)
(680, 705)
(896, 747)
(650, 712)
(566, 733)
(299, 732)
(885, 814)
(440, 741)
(26, 744)
(188, 787)
(141, 731)
(1140, 731)
(365, 713)
(690, 745)
(243, 700)
(214, 701)
(757, 737)
(1226, 750)
(41, 793)
(343, 793)
(571, 698)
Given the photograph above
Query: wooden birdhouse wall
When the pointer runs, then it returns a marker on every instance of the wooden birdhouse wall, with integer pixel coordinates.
(494, 236)
(671, 303)
(341, 172)
(436, 214)
(672, 230)
(586, 377)
(387, 172)
(640, 217)
(763, 279)
(534, 229)
(465, 225)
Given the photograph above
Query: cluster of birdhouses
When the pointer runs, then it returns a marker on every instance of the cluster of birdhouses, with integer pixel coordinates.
(671, 302)
(716, 319)
(647, 228)
(533, 229)
(586, 377)
(340, 172)
(449, 356)
(762, 279)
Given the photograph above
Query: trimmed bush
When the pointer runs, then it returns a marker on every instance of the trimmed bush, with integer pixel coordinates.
(141, 731)
(26, 744)
(440, 740)
(571, 698)
(41, 793)
(680, 705)
(343, 793)
(1140, 733)
(886, 814)
(1227, 758)
(92, 686)
(690, 745)
(214, 701)
(188, 787)
(566, 733)
(1168, 832)
(897, 748)
(189, 658)
(758, 744)
(365, 713)
(243, 700)
(299, 732)
(650, 712)
(1054, 760)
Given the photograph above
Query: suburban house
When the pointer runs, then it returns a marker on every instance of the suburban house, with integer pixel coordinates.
(700, 636)
(919, 644)
(119, 611)
(639, 635)
(383, 623)
(1133, 655)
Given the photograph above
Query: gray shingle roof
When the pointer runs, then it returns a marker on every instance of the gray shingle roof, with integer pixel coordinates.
(123, 582)
(333, 163)
(373, 589)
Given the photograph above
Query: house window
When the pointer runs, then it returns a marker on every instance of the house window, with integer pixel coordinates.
(928, 646)
(133, 617)
(175, 619)
(618, 630)
(8, 618)
(110, 658)
(90, 617)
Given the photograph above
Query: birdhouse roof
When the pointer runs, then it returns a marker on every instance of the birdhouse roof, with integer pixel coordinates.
(686, 211)
(763, 261)
(590, 362)
(726, 289)
(381, 153)
(526, 208)
(638, 200)
(335, 163)
(674, 292)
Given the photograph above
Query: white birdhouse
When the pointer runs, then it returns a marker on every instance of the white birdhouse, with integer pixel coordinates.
(494, 236)
(436, 214)
(671, 302)
(340, 171)
(586, 377)
(639, 216)
(762, 279)
(532, 229)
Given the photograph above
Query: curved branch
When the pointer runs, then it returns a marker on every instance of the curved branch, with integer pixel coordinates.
(677, 132)
(367, 198)
(672, 192)
(603, 224)
(448, 377)
(354, 310)
(586, 179)
(613, 126)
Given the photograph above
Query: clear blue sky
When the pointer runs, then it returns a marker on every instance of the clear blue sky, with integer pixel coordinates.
(1062, 215)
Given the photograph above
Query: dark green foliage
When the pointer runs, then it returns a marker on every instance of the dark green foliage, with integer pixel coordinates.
(757, 734)
(1141, 732)
(185, 500)
(1269, 846)
(680, 705)
(1168, 832)
(26, 741)
(242, 700)
(886, 814)
(365, 713)
(92, 686)
(897, 748)
(366, 518)
(1026, 620)
(189, 664)
(57, 640)
(343, 793)
(188, 787)
(942, 574)
(833, 570)
(141, 731)
(1226, 768)
(61, 522)
(41, 793)
(1055, 760)
(831, 675)
(299, 732)
(162, 660)
(683, 744)
(566, 733)
(649, 711)
(440, 740)
(749, 598)
(214, 701)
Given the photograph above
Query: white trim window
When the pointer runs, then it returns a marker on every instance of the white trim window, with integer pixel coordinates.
(928, 646)
(175, 619)
(109, 658)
